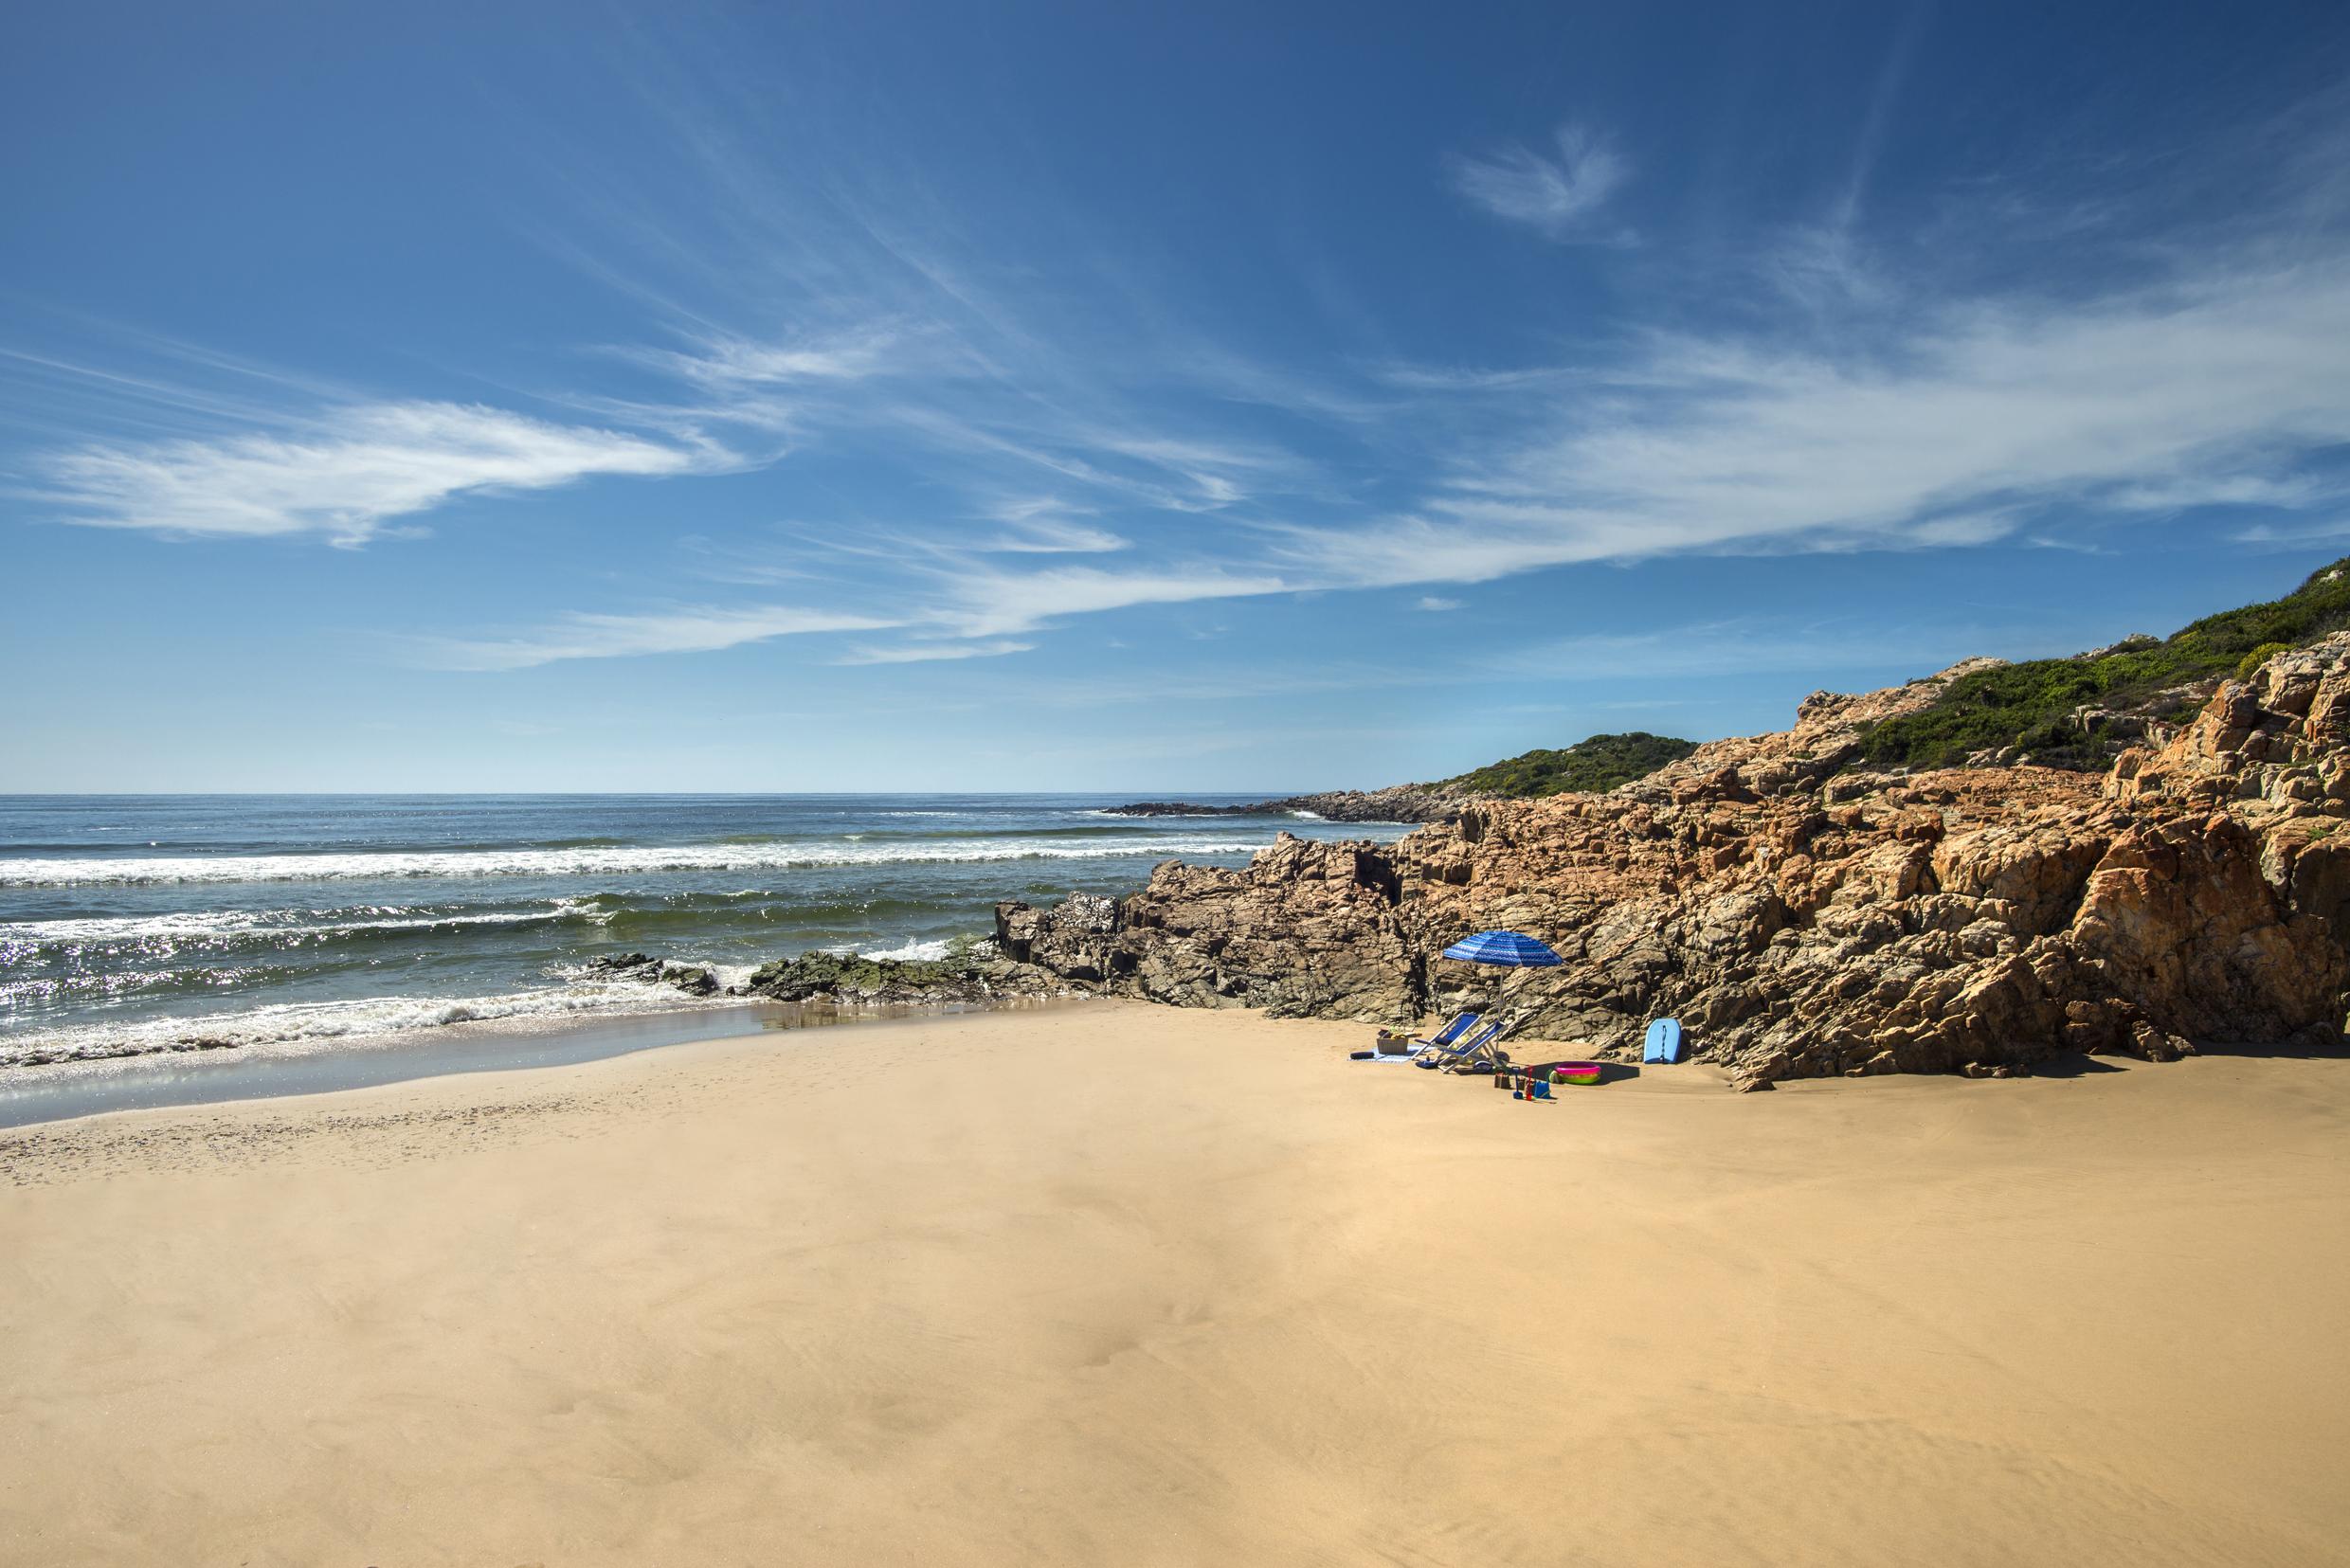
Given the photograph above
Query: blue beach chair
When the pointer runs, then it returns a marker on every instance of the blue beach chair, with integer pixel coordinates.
(1453, 1031)
(1466, 1051)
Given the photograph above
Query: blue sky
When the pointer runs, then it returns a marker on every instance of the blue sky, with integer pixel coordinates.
(1065, 397)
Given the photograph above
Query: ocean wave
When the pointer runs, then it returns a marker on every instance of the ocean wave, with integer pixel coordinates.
(357, 1021)
(81, 987)
(390, 865)
(291, 1024)
(202, 926)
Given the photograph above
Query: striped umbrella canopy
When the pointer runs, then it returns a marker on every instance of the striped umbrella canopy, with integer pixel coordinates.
(1506, 947)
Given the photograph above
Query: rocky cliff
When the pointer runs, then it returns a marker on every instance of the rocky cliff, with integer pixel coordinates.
(1804, 919)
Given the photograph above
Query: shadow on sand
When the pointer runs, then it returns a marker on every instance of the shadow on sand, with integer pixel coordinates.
(2075, 1064)
(2286, 1050)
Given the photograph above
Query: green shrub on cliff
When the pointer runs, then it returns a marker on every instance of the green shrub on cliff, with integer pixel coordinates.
(1598, 764)
(2250, 664)
(2032, 705)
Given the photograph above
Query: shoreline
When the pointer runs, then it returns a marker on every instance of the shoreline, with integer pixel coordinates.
(34, 1096)
(1126, 1283)
(185, 926)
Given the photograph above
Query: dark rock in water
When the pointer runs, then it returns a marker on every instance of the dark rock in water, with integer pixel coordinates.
(623, 966)
(981, 974)
(1185, 808)
(693, 979)
(1395, 804)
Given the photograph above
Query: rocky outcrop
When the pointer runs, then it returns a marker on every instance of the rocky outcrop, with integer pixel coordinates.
(1805, 922)
(982, 974)
(1309, 929)
(978, 975)
(1395, 803)
(1826, 738)
(694, 979)
(2262, 747)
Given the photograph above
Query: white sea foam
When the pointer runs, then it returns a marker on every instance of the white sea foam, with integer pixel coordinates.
(310, 1023)
(602, 861)
(198, 925)
(914, 951)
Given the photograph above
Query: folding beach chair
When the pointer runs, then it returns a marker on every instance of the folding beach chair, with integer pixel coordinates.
(1453, 1031)
(1467, 1053)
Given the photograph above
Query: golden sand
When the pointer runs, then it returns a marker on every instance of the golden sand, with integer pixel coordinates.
(1120, 1285)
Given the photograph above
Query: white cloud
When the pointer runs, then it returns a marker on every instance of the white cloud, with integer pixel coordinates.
(1438, 606)
(1948, 429)
(1046, 528)
(2287, 492)
(730, 362)
(925, 653)
(1554, 194)
(1891, 421)
(2310, 533)
(677, 631)
(344, 474)
(1979, 419)
(1453, 378)
(993, 604)
(1043, 538)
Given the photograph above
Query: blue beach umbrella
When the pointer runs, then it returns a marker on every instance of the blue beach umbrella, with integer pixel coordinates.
(1508, 949)
(1504, 947)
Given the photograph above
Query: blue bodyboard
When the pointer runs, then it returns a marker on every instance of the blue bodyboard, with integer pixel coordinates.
(1664, 1042)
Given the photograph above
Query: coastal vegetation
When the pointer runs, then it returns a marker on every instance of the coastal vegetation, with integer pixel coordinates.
(1594, 765)
(2080, 712)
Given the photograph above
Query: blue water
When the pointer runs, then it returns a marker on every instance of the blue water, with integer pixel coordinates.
(131, 923)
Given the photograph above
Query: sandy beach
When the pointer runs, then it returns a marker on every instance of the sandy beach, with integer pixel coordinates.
(1119, 1284)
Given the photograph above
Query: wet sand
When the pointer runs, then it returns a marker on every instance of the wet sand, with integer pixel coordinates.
(1120, 1283)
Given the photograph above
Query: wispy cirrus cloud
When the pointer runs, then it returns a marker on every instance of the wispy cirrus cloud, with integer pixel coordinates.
(968, 612)
(1053, 536)
(1977, 418)
(687, 629)
(989, 603)
(1046, 525)
(345, 473)
(1977, 421)
(939, 375)
(2306, 533)
(931, 653)
(727, 361)
(1556, 191)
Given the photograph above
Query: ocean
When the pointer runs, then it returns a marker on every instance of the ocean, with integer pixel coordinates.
(134, 924)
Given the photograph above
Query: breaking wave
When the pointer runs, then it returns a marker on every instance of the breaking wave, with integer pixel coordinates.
(918, 950)
(194, 927)
(296, 1023)
(588, 861)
